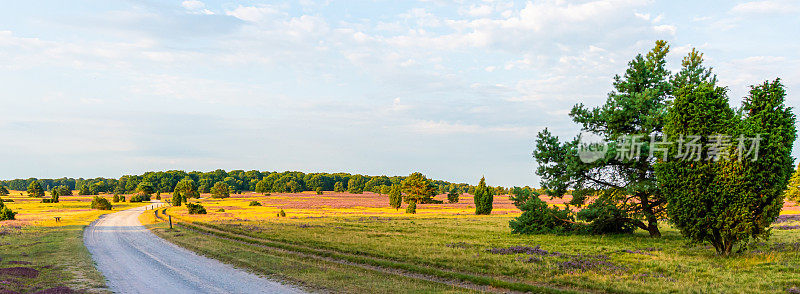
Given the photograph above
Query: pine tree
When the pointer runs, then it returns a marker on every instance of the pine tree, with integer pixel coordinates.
(35, 189)
(418, 189)
(484, 198)
(177, 199)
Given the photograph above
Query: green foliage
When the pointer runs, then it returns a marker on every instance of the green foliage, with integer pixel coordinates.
(35, 189)
(140, 197)
(385, 189)
(453, 194)
(636, 106)
(734, 200)
(62, 190)
(220, 190)
(395, 197)
(793, 188)
(195, 208)
(484, 198)
(319, 191)
(412, 208)
(254, 203)
(263, 186)
(187, 188)
(418, 189)
(5, 212)
(521, 195)
(177, 199)
(539, 218)
(115, 199)
(3, 191)
(282, 213)
(100, 203)
(356, 184)
(338, 187)
(605, 217)
(145, 188)
(84, 190)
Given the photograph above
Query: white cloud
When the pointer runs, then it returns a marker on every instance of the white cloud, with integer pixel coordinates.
(766, 7)
(196, 7)
(668, 29)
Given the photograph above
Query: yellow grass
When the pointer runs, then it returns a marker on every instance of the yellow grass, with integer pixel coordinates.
(73, 210)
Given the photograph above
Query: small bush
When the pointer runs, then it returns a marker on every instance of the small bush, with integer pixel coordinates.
(282, 213)
(221, 210)
(195, 208)
(5, 212)
(100, 203)
(115, 199)
(254, 203)
(140, 197)
(453, 195)
(319, 191)
(539, 218)
(605, 218)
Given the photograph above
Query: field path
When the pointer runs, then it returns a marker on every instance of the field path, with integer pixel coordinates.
(134, 260)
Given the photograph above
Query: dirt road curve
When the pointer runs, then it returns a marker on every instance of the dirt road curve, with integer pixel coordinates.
(134, 260)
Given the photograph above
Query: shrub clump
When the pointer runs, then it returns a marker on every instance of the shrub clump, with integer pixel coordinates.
(195, 208)
(100, 203)
(605, 218)
(5, 212)
(140, 197)
(282, 213)
(539, 218)
(453, 194)
(254, 203)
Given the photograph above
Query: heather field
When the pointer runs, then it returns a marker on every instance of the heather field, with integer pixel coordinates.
(448, 239)
(37, 253)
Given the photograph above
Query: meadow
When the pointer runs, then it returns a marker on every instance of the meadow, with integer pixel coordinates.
(448, 240)
(37, 253)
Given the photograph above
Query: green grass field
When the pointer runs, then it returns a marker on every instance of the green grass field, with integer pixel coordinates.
(618, 263)
(38, 253)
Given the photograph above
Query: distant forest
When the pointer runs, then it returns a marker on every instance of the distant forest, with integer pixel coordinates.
(237, 180)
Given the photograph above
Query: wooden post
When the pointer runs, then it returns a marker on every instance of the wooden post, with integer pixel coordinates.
(170, 222)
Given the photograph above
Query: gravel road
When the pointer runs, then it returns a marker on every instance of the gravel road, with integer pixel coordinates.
(134, 260)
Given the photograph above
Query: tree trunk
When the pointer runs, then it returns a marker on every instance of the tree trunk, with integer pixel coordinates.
(652, 226)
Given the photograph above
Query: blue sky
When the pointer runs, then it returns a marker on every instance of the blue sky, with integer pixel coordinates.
(455, 89)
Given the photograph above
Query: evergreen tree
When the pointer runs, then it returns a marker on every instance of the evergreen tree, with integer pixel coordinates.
(484, 198)
(35, 189)
(5, 212)
(3, 191)
(733, 199)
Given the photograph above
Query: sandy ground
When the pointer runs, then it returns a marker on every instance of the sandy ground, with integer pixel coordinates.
(134, 260)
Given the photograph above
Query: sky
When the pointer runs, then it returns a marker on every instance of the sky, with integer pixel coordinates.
(454, 89)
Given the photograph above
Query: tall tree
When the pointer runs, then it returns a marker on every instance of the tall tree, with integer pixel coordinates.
(395, 197)
(484, 198)
(636, 107)
(3, 191)
(187, 188)
(220, 190)
(35, 189)
(417, 189)
(730, 199)
(338, 187)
